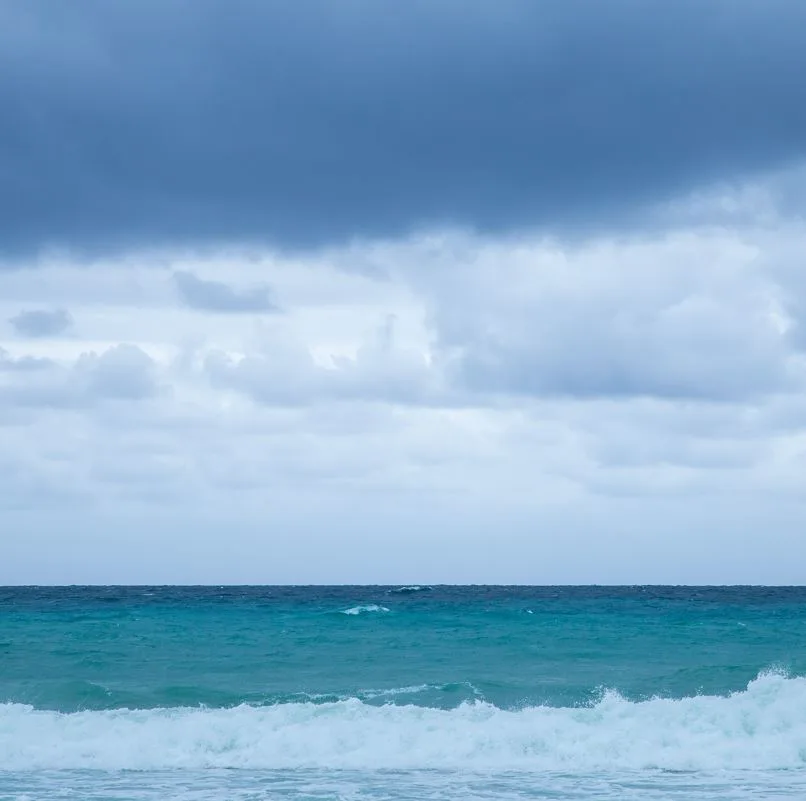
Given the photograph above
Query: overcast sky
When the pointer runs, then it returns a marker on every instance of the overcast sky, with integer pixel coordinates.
(380, 292)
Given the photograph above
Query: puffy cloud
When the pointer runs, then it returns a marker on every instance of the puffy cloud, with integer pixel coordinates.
(687, 316)
(379, 370)
(9, 363)
(121, 372)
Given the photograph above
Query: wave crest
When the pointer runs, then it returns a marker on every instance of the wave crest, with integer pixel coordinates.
(410, 589)
(360, 610)
(763, 727)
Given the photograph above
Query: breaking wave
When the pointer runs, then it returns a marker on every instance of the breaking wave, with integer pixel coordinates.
(763, 727)
(360, 610)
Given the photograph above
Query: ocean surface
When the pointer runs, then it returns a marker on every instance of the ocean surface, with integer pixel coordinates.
(367, 693)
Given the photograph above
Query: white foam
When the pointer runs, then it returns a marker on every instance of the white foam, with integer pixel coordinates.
(360, 610)
(414, 689)
(763, 727)
(412, 588)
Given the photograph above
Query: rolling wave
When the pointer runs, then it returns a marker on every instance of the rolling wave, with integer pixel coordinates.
(762, 727)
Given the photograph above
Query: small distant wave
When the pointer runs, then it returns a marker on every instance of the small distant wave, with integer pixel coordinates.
(395, 692)
(411, 589)
(360, 610)
(453, 693)
(761, 728)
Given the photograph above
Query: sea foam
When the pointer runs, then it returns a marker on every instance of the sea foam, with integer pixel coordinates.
(412, 588)
(360, 610)
(763, 727)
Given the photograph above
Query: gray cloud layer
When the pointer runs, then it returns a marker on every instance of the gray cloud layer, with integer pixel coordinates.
(217, 296)
(300, 123)
(41, 322)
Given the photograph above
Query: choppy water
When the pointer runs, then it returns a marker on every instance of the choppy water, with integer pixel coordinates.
(402, 693)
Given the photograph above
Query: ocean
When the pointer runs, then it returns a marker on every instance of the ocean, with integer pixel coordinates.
(368, 693)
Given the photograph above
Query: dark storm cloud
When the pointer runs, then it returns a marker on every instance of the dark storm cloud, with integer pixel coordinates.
(41, 322)
(217, 296)
(303, 122)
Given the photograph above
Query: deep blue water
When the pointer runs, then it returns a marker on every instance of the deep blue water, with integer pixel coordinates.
(388, 692)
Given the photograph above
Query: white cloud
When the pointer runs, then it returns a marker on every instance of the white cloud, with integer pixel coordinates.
(287, 374)
(468, 408)
(121, 372)
(683, 315)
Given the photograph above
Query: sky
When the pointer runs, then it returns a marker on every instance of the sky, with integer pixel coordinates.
(376, 292)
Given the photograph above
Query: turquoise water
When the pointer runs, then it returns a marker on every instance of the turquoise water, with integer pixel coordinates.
(392, 693)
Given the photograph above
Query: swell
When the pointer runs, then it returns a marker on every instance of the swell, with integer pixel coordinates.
(762, 727)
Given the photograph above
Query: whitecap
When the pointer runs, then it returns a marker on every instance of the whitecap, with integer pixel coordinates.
(360, 610)
(411, 589)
